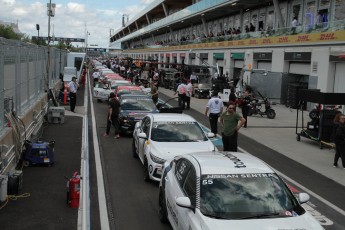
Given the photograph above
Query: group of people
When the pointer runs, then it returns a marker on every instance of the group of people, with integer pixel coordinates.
(184, 92)
(231, 121)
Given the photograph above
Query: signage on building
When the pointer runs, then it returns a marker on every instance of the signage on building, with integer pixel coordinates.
(262, 56)
(337, 58)
(297, 56)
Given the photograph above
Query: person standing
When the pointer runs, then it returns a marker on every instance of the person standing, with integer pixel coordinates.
(193, 78)
(181, 92)
(154, 92)
(294, 25)
(188, 93)
(215, 107)
(73, 87)
(340, 141)
(113, 115)
(229, 119)
(245, 101)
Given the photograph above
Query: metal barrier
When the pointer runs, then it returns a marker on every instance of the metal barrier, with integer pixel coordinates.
(27, 71)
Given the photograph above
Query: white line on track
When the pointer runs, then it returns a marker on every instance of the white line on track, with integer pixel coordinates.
(103, 211)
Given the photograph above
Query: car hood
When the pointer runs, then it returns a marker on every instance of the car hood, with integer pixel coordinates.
(168, 150)
(305, 222)
(137, 114)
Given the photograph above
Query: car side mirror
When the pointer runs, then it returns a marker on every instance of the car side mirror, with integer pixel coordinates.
(303, 197)
(210, 135)
(183, 202)
(142, 135)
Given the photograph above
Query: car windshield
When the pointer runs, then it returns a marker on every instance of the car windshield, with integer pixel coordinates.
(247, 196)
(138, 104)
(177, 132)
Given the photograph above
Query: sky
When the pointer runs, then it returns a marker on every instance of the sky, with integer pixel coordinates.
(72, 18)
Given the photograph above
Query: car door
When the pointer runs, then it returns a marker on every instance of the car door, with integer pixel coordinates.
(186, 215)
(145, 127)
(176, 187)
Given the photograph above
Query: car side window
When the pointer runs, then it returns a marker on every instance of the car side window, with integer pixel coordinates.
(146, 126)
(189, 186)
(181, 171)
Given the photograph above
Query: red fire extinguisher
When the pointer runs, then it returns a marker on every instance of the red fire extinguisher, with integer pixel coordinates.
(73, 191)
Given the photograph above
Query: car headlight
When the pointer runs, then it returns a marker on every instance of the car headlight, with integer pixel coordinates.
(156, 159)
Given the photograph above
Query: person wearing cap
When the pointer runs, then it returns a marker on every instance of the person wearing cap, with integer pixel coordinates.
(73, 87)
(215, 107)
(113, 116)
(229, 119)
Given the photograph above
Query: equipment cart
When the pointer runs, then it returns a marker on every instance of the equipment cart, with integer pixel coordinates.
(320, 127)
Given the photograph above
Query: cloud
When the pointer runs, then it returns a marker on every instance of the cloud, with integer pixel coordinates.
(71, 20)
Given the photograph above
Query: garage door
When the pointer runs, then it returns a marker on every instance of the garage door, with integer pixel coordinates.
(299, 68)
(266, 65)
(239, 64)
(339, 78)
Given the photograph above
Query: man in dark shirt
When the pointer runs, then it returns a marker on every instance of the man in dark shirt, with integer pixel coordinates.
(113, 116)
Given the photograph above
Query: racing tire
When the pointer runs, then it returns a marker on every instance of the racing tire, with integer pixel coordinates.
(134, 150)
(146, 171)
(163, 212)
(271, 114)
(199, 96)
(314, 114)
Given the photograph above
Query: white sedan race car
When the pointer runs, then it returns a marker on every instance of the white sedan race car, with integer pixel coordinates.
(160, 137)
(101, 91)
(228, 190)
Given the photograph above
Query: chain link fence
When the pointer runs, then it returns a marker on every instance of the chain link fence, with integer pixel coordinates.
(27, 72)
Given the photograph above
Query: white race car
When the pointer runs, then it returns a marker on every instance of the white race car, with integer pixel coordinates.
(160, 137)
(229, 190)
(102, 90)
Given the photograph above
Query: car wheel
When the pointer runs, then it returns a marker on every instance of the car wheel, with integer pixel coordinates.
(146, 171)
(163, 212)
(199, 95)
(134, 149)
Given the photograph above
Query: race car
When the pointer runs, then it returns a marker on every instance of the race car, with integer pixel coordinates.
(229, 190)
(102, 89)
(133, 109)
(161, 136)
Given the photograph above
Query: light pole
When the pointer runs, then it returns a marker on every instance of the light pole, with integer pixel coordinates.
(38, 33)
(51, 13)
(86, 40)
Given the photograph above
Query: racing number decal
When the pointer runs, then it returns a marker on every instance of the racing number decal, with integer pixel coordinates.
(206, 182)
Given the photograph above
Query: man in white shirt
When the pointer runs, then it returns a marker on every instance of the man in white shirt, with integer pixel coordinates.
(95, 76)
(73, 87)
(181, 92)
(193, 78)
(188, 93)
(215, 107)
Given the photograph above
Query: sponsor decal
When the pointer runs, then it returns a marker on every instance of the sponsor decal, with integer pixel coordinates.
(283, 39)
(238, 163)
(303, 38)
(173, 214)
(327, 36)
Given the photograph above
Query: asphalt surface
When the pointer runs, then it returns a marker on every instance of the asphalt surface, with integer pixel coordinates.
(131, 202)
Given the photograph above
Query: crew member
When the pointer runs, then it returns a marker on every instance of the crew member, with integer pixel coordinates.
(215, 107)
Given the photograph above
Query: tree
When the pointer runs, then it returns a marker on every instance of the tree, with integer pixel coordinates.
(7, 32)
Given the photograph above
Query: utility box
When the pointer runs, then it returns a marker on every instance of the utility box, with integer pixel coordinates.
(15, 182)
(56, 115)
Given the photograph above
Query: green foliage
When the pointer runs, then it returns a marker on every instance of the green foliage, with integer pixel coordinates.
(7, 32)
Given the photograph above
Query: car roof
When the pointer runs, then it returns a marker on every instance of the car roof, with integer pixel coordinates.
(222, 162)
(135, 96)
(171, 117)
(128, 87)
